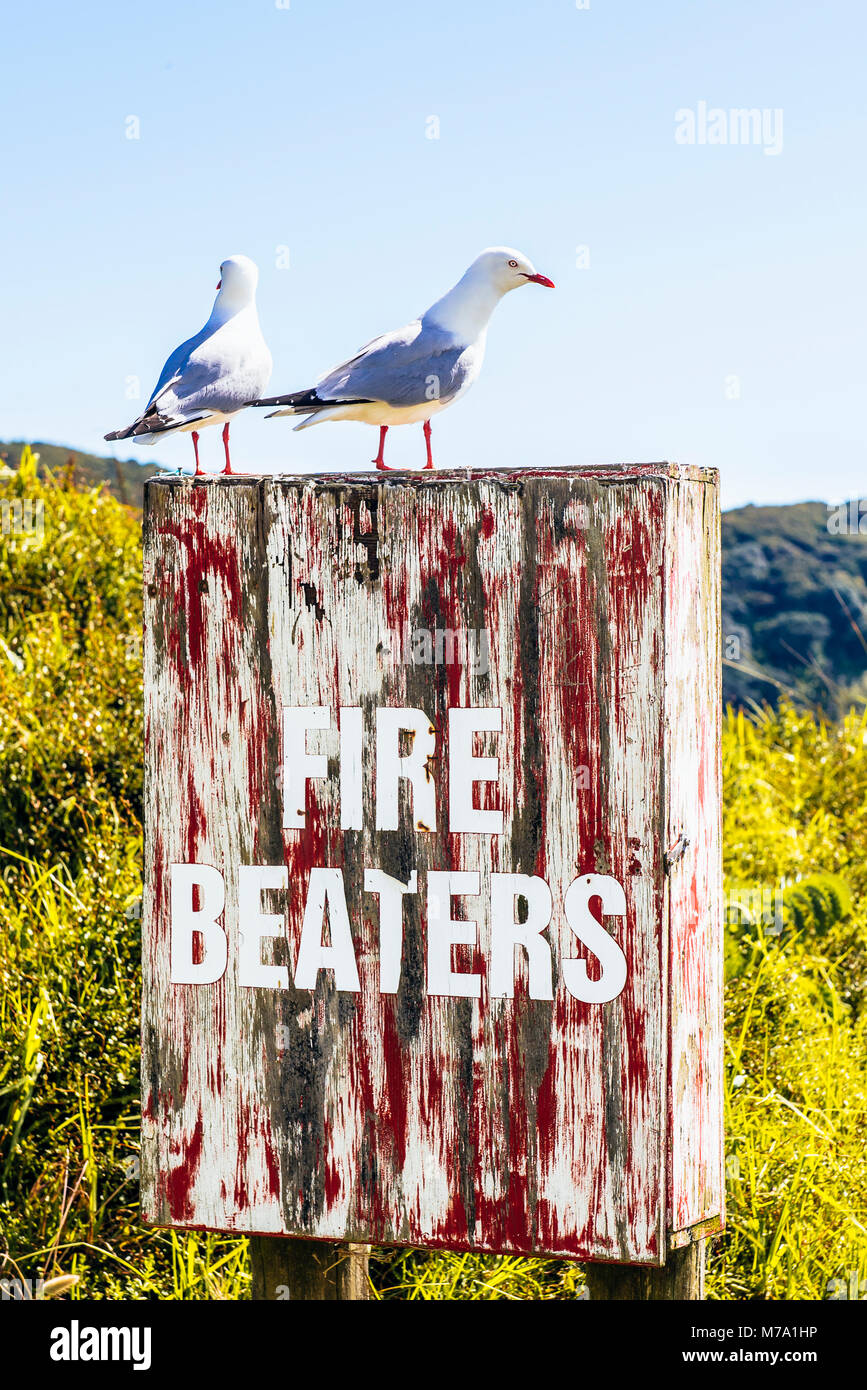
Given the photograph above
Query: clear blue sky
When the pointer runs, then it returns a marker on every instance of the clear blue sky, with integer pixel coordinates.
(306, 127)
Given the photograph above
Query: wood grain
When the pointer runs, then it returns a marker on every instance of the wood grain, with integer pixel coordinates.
(590, 1131)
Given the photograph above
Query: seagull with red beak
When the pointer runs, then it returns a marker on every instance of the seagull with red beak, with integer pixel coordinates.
(212, 376)
(408, 376)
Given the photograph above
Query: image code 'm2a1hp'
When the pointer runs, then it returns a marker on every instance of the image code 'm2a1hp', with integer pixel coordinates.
(432, 923)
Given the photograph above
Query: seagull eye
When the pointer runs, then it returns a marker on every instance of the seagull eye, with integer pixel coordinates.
(513, 263)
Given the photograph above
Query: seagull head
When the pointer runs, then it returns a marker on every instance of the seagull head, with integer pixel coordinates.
(239, 277)
(506, 269)
(466, 309)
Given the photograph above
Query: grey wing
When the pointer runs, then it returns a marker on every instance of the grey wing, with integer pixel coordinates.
(168, 406)
(178, 363)
(209, 373)
(405, 368)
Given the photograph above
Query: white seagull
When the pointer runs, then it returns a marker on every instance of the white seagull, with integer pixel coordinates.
(412, 373)
(212, 376)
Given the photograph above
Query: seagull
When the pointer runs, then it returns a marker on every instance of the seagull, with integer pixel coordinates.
(212, 376)
(410, 374)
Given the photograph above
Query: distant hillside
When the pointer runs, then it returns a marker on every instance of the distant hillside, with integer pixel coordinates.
(795, 605)
(124, 479)
(794, 589)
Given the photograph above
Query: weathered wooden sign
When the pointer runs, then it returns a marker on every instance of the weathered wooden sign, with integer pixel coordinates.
(432, 930)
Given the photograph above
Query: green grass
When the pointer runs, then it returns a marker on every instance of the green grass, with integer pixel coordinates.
(70, 881)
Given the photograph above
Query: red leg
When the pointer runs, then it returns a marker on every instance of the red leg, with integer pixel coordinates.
(426, 427)
(380, 458)
(228, 467)
(199, 470)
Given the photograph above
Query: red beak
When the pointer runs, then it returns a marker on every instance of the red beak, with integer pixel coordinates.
(219, 283)
(540, 280)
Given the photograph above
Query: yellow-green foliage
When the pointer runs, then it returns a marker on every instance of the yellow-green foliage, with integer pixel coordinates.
(70, 879)
(795, 835)
(70, 669)
(795, 796)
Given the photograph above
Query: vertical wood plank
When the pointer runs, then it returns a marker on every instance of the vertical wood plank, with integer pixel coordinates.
(694, 857)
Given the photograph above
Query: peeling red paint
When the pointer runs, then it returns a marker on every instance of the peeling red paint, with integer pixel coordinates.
(503, 1124)
(272, 1164)
(180, 1179)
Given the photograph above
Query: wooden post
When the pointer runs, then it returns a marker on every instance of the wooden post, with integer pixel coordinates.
(681, 1278)
(308, 1270)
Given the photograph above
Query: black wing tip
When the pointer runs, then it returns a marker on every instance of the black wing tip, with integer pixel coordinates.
(143, 425)
(297, 398)
(306, 402)
(152, 424)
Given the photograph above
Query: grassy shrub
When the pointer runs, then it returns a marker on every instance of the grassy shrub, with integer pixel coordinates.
(70, 672)
(70, 879)
(795, 837)
(796, 1126)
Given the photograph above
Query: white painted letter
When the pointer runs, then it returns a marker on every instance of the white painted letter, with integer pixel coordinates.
(185, 920)
(253, 924)
(443, 933)
(391, 892)
(326, 889)
(594, 936)
(465, 769)
(390, 767)
(298, 764)
(507, 933)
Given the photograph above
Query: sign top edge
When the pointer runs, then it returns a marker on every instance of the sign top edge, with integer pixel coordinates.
(605, 473)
